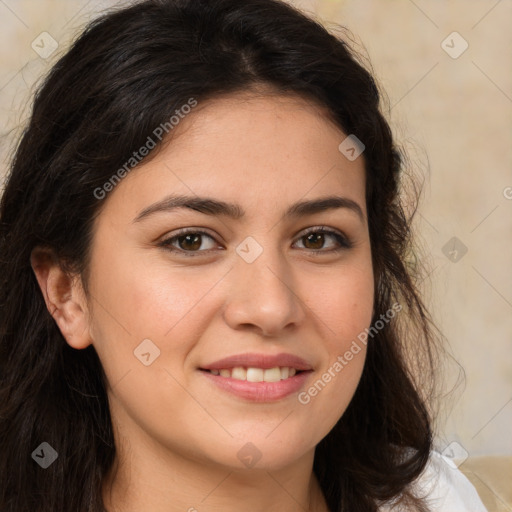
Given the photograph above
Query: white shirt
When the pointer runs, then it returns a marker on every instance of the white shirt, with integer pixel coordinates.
(445, 487)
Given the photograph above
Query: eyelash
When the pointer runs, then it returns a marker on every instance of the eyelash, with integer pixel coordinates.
(345, 243)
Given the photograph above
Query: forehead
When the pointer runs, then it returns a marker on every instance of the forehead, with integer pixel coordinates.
(258, 150)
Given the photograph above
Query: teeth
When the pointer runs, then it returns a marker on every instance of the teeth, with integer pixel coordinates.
(272, 375)
(254, 375)
(238, 373)
(257, 374)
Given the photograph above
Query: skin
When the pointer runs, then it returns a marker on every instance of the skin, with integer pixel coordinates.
(177, 434)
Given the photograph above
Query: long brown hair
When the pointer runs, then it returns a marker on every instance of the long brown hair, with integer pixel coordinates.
(126, 74)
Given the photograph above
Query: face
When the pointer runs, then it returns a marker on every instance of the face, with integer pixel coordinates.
(213, 323)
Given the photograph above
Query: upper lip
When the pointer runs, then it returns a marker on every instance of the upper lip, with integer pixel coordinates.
(259, 361)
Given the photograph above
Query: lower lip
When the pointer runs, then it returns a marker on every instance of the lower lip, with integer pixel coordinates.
(260, 391)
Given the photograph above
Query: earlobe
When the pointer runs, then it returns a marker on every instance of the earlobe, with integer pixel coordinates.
(63, 296)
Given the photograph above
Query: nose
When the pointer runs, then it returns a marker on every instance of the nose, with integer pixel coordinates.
(263, 296)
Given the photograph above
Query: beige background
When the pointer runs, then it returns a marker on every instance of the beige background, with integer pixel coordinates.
(454, 115)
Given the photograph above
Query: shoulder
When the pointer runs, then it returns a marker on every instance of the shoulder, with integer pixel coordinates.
(445, 488)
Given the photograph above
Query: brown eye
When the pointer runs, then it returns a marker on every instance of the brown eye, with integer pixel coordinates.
(188, 243)
(315, 239)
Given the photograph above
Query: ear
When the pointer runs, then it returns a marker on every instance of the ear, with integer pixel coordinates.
(64, 297)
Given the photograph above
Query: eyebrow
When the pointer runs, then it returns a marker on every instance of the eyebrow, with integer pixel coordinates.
(210, 206)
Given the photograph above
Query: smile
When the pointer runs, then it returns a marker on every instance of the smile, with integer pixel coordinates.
(256, 374)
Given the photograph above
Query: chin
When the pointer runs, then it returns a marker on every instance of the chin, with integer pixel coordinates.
(264, 453)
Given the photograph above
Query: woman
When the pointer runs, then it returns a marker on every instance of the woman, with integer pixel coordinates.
(205, 299)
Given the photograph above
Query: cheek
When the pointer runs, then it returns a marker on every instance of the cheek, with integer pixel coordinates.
(344, 302)
(345, 309)
(136, 299)
(146, 297)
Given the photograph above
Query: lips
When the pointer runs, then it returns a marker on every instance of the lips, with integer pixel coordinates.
(259, 377)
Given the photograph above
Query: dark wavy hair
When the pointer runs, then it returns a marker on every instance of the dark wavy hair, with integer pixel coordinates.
(124, 75)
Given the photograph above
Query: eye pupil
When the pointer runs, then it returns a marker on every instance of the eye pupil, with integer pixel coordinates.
(195, 237)
(319, 237)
